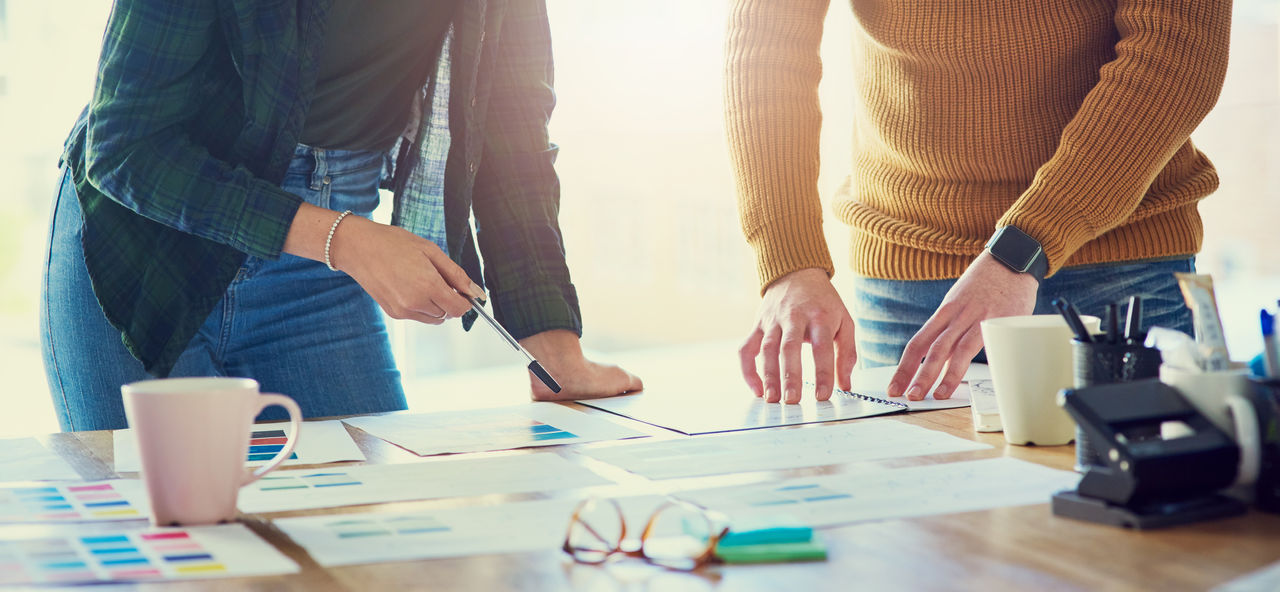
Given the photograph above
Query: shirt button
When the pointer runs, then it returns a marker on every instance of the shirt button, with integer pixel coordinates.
(473, 101)
(481, 36)
(471, 166)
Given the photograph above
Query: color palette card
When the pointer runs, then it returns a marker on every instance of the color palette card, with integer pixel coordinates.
(479, 430)
(226, 550)
(302, 490)
(26, 459)
(319, 442)
(119, 499)
(879, 494)
(808, 446)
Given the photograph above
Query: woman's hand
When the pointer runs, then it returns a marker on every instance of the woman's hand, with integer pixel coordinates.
(407, 275)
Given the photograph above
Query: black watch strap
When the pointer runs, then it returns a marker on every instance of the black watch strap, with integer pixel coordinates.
(1019, 252)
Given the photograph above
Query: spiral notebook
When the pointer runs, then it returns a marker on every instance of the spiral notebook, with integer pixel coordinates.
(705, 407)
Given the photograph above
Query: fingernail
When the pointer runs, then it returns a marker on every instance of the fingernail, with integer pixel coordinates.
(913, 393)
(895, 389)
(477, 292)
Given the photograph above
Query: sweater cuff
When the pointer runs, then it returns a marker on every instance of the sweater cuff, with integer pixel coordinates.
(787, 246)
(1056, 222)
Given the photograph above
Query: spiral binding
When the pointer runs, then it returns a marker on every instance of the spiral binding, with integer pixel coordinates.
(869, 398)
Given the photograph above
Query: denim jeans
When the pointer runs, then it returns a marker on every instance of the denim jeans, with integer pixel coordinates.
(887, 313)
(290, 323)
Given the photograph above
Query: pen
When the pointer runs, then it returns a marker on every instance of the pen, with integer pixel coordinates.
(1072, 317)
(1133, 324)
(1271, 355)
(1113, 323)
(534, 366)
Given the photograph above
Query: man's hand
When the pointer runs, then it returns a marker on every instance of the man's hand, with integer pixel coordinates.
(799, 307)
(560, 353)
(953, 335)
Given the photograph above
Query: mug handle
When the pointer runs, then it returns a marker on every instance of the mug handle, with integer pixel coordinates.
(295, 421)
(1248, 438)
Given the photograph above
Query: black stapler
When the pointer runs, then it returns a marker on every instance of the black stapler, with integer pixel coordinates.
(1149, 480)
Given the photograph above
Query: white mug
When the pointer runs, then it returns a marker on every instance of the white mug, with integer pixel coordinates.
(1030, 360)
(1223, 398)
(193, 439)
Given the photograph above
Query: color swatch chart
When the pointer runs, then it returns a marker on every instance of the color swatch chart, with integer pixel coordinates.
(780, 449)
(319, 442)
(303, 490)
(154, 554)
(878, 494)
(121, 499)
(479, 430)
(369, 538)
(264, 445)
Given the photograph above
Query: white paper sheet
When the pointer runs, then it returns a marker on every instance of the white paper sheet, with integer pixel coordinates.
(703, 395)
(345, 486)
(878, 494)
(320, 442)
(26, 459)
(348, 539)
(479, 430)
(1266, 579)
(117, 499)
(780, 449)
(227, 550)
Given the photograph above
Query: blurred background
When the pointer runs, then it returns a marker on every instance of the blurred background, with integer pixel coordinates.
(648, 209)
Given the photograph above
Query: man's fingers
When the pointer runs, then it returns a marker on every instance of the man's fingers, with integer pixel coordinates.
(747, 359)
(769, 348)
(939, 352)
(961, 356)
(792, 368)
(823, 361)
(846, 353)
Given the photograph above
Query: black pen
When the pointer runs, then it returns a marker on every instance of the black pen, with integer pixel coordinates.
(1072, 317)
(1133, 322)
(1113, 323)
(534, 366)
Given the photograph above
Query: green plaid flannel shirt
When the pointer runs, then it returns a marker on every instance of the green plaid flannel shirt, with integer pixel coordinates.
(198, 105)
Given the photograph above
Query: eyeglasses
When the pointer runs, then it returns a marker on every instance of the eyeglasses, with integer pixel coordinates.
(678, 535)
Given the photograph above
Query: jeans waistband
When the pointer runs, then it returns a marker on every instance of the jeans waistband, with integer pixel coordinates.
(319, 162)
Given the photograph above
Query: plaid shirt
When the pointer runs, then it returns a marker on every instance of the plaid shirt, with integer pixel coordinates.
(198, 105)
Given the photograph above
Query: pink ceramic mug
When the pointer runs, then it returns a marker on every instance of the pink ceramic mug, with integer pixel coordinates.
(193, 440)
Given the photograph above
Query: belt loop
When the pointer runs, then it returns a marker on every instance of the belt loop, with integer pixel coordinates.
(320, 175)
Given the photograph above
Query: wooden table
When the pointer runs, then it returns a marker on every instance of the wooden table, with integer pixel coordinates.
(1018, 548)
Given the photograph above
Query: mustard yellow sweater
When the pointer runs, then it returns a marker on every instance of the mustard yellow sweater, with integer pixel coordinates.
(1066, 118)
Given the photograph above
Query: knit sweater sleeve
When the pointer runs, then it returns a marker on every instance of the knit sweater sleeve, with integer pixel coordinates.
(773, 119)
(1169, 65)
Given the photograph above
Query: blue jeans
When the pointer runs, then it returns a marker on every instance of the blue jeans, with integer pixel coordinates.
(290, 323)
(887, 313)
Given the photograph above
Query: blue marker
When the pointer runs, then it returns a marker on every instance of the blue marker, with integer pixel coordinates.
(1271, 353)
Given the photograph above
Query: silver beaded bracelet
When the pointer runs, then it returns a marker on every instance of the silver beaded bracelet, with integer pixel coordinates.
(329, 240)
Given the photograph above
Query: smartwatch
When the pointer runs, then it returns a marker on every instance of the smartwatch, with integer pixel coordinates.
(1019, 252)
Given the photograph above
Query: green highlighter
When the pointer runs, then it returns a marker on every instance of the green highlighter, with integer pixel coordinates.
(812, 550)
(770, 538)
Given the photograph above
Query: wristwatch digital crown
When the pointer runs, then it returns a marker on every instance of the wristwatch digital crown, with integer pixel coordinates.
(1019, 252)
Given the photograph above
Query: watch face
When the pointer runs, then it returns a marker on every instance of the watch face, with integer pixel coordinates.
(1014, 248)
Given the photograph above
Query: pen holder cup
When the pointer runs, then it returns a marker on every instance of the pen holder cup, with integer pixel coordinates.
(1267, 406)
(1105, 363)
